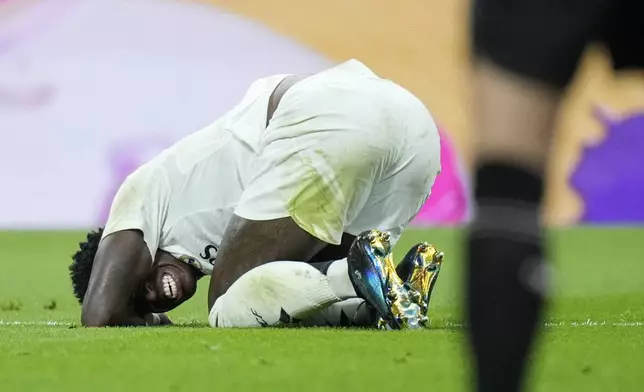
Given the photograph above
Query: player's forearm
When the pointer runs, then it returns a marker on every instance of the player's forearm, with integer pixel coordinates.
(96, 317)
(106, 320)
(105, 309)
(118, 269)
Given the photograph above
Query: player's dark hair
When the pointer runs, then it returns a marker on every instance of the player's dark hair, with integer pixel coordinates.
(81, 267)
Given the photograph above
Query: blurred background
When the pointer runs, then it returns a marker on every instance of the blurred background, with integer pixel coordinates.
(91, 89)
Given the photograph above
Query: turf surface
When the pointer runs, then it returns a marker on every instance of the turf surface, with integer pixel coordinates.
(593, 339)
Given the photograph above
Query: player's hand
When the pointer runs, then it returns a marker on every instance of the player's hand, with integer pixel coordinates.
(165, 320)
(157, 319)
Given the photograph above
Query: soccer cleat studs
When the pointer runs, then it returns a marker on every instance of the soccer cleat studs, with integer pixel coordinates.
(400, 294)
(419, 270)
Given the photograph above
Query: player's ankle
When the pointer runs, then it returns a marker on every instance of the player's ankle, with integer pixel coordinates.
(338, 274)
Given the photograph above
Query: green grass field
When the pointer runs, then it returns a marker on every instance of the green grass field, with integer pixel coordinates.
(594, 339)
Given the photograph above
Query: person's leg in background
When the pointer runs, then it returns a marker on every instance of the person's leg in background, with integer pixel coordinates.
(505, 248)
(525, 53)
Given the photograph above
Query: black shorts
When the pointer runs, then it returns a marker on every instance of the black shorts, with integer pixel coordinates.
(544, 39)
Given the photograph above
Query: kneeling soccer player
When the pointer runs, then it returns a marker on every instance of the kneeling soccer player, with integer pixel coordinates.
(276, 201)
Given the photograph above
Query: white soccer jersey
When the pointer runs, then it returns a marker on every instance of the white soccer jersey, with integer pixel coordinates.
(345, 151)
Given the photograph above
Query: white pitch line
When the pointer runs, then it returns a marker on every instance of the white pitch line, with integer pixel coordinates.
(575, 324)
(41, 323)
(595, 323)
(550, 324)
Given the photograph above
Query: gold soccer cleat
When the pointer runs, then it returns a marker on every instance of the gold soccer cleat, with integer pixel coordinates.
(419, 270)
(373, 274)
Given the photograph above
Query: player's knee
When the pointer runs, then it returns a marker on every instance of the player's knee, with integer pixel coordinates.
(271, 294)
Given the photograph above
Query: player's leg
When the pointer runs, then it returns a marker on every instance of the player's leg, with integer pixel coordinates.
(404, 186)
(287, 292)
(525, 54)
(329, 141)
(281, 293)
(353, 313)
(418, 269)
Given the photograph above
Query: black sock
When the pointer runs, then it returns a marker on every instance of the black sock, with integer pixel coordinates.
(322, 266)
(505, 260)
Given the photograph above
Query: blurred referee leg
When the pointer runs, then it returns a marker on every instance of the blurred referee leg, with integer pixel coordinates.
(525, 53)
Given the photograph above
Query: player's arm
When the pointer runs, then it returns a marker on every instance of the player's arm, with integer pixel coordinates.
(121, 263)
(248, 244)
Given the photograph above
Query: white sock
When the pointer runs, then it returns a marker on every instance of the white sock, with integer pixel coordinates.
(338, 274)
(352, 312)
(277, 293)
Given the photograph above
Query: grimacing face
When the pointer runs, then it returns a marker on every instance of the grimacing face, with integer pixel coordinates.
(170, 283)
